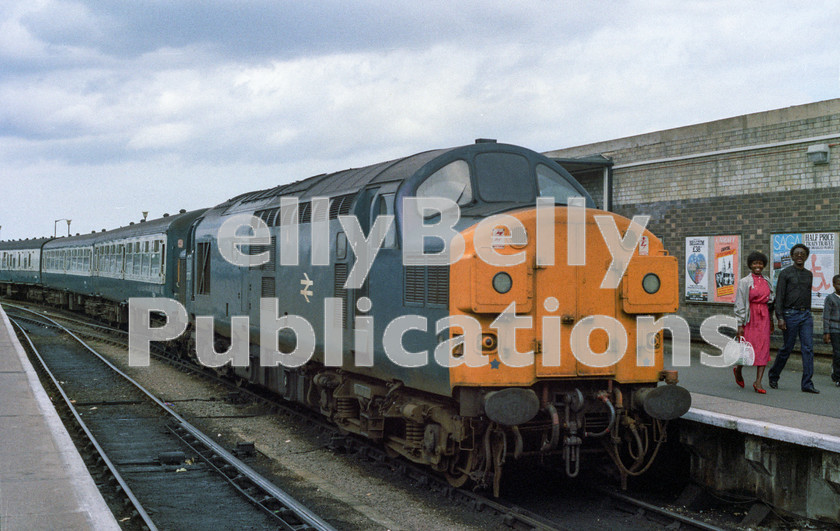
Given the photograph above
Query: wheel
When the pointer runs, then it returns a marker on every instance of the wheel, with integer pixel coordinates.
(460, 467)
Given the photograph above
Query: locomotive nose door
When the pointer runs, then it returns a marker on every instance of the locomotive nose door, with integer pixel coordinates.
(570, 339)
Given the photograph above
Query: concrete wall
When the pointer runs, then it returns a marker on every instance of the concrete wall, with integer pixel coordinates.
(795, 478)
(747, 175)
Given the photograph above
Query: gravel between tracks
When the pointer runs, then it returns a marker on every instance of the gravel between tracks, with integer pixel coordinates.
(347, 491)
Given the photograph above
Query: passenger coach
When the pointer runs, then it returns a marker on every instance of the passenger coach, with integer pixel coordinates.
(20, 265)
(97, 273)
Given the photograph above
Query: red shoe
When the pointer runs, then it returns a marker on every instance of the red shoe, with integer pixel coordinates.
(738, 378)
(759, 391)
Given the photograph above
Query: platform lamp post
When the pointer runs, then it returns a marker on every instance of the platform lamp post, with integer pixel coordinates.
(55, 226)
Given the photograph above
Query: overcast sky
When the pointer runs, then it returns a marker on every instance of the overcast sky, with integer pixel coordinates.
(112, 107)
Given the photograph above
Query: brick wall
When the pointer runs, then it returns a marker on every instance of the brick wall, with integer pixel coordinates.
(747, 175)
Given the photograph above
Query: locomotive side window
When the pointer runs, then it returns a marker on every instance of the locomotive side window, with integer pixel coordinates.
(552, 184)
(385, 205)
(504, 177)
(452, 182)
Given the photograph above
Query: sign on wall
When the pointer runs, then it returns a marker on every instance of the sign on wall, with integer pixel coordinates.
(712, 268)
(822, 261)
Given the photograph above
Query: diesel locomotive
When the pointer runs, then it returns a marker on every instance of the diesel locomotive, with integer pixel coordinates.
(514, 336)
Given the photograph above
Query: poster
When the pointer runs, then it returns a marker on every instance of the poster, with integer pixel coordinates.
(712, 268)
(727, 261)
(697, 269)
(822, 261)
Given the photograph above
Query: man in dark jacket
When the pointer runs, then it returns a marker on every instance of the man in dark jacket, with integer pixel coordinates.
(793, 312)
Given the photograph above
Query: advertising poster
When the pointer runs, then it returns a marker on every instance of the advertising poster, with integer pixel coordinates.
(697, 269)
(712, 268)
(822, 261)
(727, 262)
(781, 252)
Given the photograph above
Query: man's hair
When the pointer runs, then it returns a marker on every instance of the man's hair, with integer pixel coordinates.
(835, 278)
(801, 246)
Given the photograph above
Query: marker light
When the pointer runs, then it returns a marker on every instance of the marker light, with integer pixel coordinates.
(502, 282)
(651, 283)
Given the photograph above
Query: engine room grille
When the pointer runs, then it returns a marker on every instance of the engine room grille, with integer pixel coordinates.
(267, 288)
(426, 285)
(340, 292)
(340, 205)
(272, 251)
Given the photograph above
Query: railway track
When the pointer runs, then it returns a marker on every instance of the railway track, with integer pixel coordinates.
(162, 471)
(510, 514)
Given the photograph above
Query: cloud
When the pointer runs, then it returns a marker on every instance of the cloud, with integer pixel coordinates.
(224, 97)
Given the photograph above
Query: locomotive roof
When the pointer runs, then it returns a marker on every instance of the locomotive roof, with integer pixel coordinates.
(415, 166)
(345, 181)
(154, 226)
(17, 245)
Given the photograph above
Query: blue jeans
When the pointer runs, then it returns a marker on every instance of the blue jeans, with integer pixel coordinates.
(797, 323)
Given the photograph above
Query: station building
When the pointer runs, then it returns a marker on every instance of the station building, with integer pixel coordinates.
(717, 191)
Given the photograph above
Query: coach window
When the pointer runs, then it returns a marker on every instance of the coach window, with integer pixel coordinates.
(452, 182)
(144, 269)
(129, 259)
(138, 259)
(552, 184)
(155, 269)
(504, 177)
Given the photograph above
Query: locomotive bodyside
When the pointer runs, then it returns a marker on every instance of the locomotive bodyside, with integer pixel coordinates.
(456, 418)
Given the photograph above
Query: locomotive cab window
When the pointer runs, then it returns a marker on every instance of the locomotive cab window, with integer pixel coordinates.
(452, 182)
(384, 204)
(504, 177)
(552, 184)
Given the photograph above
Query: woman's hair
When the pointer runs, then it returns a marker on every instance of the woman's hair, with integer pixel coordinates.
(757, 256)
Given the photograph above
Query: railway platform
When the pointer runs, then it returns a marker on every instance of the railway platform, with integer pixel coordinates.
(44, 483)
(782, 447)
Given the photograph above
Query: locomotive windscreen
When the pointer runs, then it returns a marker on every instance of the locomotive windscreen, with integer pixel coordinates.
(504, 177)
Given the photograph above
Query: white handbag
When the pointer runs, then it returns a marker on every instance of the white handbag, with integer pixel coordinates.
(739, 352)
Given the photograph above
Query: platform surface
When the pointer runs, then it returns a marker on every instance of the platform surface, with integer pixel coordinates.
(44, 483)
(785, 413)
